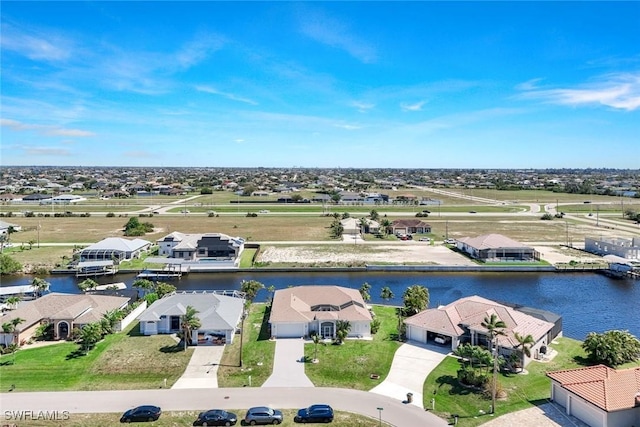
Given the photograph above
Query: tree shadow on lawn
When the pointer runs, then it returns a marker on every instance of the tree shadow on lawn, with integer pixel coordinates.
(456, 387)
(135, 331)
(76, 354)
(176, 348)
(265, 334)
(583, 361)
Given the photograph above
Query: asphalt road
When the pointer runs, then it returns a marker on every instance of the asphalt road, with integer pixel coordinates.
(394, 411)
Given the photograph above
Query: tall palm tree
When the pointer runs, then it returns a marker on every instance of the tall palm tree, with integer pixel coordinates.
(343, 327)
(13, 301)
(11, 328)
(40, 285)
(190, 322)
(494, 327)
(316, 341)
(526, 342)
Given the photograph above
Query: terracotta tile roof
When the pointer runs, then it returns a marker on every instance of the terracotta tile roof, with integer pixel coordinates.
(409, 223)
(606, 388)
(80, 308)
(469, 313)
(300, 304)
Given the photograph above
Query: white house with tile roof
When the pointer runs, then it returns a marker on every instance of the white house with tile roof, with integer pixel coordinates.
(299, 311)
(598, 395)
(65, 311)
(496, 247)
(219, 316)
(461, 322)
(114, 248)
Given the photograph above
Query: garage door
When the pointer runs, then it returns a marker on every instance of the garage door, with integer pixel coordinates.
(417, 334)
(289, 330)
(585, 412)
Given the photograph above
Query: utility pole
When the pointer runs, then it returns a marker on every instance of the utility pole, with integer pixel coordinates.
(446, 230)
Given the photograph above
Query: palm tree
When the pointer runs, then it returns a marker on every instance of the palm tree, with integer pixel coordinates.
(316, 341)
(144, 284)
(12, 326)
(87, 285)
(364, 291)
(385, 225)
(13, 301)
(386, 293)
(40, 285)
(110, 319)
(189, 321)
(526, 342)
(494, 327)
(343, 327)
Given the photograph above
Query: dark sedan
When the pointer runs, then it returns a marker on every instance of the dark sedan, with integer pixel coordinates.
(141, 413)
(216, 417)
(315, 414)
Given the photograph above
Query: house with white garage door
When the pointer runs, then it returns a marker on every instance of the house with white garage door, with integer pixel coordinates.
(598, 395)
(219, 315)
(302, 310)
(461, 322)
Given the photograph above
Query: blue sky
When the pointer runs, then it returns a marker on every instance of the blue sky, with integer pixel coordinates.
(321, 84)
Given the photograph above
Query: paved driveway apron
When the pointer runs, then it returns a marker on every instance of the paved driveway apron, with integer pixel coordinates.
(411, 365)
(288, 368)
(202, 370)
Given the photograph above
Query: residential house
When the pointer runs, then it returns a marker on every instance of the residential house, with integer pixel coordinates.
(461, 322)
(302, 310)
(115, 249)
(219, 316)
(64, 311)
(598, 395)
(197, 247)
(496, 248)
(624, 248)
(410, 226)
(4, 227)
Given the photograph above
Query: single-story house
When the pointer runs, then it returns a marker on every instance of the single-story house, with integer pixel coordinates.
(461, 322)
(299, 311)
(496, 247)
(114, 248)
(598, 395)
(65, 311)
(4, 227)
(195, 247)
(410, 226)
(219, 316)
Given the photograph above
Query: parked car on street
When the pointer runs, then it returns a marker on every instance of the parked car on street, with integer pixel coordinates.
(263, 415)
(141, 413)
(424, 239)
(315, 414)
(216, 417)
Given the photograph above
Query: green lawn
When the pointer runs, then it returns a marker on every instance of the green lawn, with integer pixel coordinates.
(257, 350)
(523, 391)
(186, 418)
(351, 364)
(120, 361)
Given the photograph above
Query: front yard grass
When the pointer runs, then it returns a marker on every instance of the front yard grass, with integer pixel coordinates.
(122, 361)
(351, 364)
(523, 391)
(186, 418)
(258, 351)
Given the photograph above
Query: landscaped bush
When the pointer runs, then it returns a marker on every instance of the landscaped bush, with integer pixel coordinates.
(473, 377)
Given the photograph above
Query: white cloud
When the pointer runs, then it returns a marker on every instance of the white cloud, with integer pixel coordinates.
(198, 49)
(231, 96)
(70, 132)
(36, 44)
(44, 129)
(327, 30)
(45, 151)
(620, 91)
(348, 126)
(417, 106)
(363, 107)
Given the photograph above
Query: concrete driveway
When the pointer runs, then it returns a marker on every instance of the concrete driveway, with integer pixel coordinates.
(411, 365)
(288, 367)
(202, 370)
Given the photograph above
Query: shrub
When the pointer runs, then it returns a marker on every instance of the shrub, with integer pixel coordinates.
(473, 377)
(9, 265)
(546, 217)
(110, 215)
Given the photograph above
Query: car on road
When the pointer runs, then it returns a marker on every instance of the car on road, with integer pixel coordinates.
(141, 413)
(450, 241)
(473, 212)
(262, 415)
(263, 211)
(216, 417)
(156, 212)
(424, 239)
(319, 413)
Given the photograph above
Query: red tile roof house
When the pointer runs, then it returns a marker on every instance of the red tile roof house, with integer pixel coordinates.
(297, 312)
(598, 395)
(65, 311)
(496, 247)
(460, 322)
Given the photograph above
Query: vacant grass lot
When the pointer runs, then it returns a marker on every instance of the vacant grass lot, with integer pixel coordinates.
(523, 391)
(120, 361)
(350, 365)
(257, 351)
(186, 418)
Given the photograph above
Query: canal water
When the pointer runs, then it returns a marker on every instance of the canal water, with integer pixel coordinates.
(586, 301)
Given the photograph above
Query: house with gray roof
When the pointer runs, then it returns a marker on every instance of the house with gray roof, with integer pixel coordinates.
(461, 322)
(115, 248)
(302, 310)
(64, 311)
(496, 248)
(196, 247)
(219, 316)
